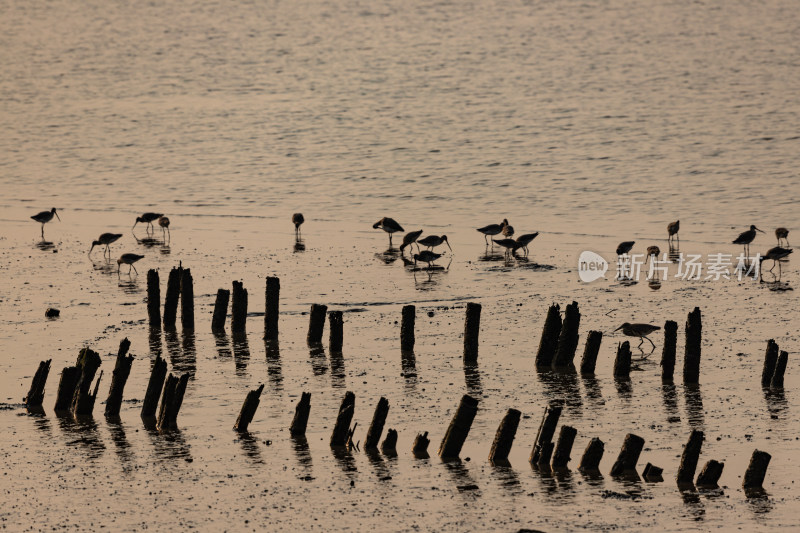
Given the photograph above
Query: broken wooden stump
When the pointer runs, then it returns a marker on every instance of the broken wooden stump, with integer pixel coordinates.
(628, 455)
(407, 328)
(248, 409)
(300, 420)
(472, 329)
(689, 458)
(590, 461)
(504, 437)
(757, 470)
(547, 428)
(35, 394)
(272, 295)
(83, 398)
(590, 351)
(770, 360)
(336, 331)
(389, 444)
(622, 363)
(341, 429)
(172, 297)
(66, 388)
(652, 473)
(220, 310)
(568, 337)
(709, 476)
(561, 455)
(549, 341)
(171, 401)
(459, 428)
(420, 447)
(316, 324)
(669, 349)
(780, 370)
(119, 377)
(153, 298)
(238, 307)
(154, 386)
(376, 427)
(52, 312)
(691, 358)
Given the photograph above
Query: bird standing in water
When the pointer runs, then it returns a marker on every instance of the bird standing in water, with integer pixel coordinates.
(639, 330)
(105, 240)
(775, 255)
(164, 223)
(44, 217)
(672, 230)
(432, 241)
(524, 240)
(426, 256)
(782, 234)
(745, 238)
(389, 225)
(491, 230)
(297, 220)
(508, 229)
(625, 247)
(510, 245)
(410, 238)
(148, 218)
(128, 259)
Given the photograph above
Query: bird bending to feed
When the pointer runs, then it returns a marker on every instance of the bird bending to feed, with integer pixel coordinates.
(672, 230)
(105, 240)
(746, 237)
(625, 247)
(510, 245)
(508, 229)
(389, 225)
(639, 330)
(297, 220)
(653, 251)
(128, 259)
(147, 218)
(491, 230)
(409, 238)
(164, 223)
(44, 217)
(782, 233)
(426, 256)
(432, 241)
(525, 239)
(775, 255)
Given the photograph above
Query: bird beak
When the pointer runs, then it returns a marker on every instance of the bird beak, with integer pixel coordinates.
(92, 248)
(448, 245)
(619, 328)
(759, 230)
(134, 225)
(58, 217)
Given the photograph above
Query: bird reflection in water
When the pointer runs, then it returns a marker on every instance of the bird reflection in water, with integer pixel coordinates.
(104, 265)
(389, 256)
(45, 246)
(130, 286)
(492, 254)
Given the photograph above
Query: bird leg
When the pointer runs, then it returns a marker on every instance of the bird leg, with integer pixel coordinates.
(641, 340)
(134, 269)
(42, 231)
(651, 343)
(486, 239)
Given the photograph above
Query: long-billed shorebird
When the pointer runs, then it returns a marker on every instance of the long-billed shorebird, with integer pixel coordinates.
(297, 220)
(148, 219)
(510, 245)
(653, 252)
(491, 230)
(44, 217)
(524, 240)
(639, 330)
(389, 225)
(775, 255)
(432, 241)
(164, 223)
(672, 230)
(128, 259)
(105, 240)
(745, 238)
(426, 256)
(410, 238)
(782, 234)
(625, 247)
(508, 229)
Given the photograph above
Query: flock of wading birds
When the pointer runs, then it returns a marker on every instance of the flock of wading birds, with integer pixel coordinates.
(390, 226)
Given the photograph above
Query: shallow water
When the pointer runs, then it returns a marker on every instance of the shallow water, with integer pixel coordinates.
(591, 123)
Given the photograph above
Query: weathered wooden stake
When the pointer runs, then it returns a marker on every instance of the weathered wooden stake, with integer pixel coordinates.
(770, 360)
(153, 298)
(780, 369)
(691, 358)
(459, 428)
(710, 474)
(590, 351)
(592, 455)
(154, 386)
(272, 308)
(300, 420)
(407, 328)
(652, 473)
(668, 352)
(472, 329)
(66, 388)
(220, 310)
(172, 297)
(547, 428)
(545, 455)
(757, 470)
(248, 409)
(420, 448)
(622, 364)
(568, 337)
(187, 300)
(316, 323)
(122, 369)
(689, 458)
(36, 392)
(238, 307)
(628, 455)
(389, 444)
(566, 438)
(376, 427)
(342, 427)
(83, 398)
(336, 331)
(171, 401)
(549, 341)
(504, 437)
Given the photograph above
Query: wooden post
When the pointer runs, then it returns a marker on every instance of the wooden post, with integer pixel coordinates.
(592, 455)
(691, 360)
(568, 337)
(459, 428)
(622, 364)
(389, 445)
(689, 458)
(770, 360)
(652, 473)
(300, 420)
(549, 341)
(272, 309)
(547, 428)
(220, 310)
(420, 448)
(376, 427)
(316, 323)
(780, 370)
(187, 300)
(154, 386)
(153, 298)
(66, 388)
(122, 369)
(248, 409)
(668, 352)
(171, 401)
(336, 331)
(35, 394)
(628, 455)
(545, 454)
(238, 307)
(710, 474)
(83, 398)
(504, 437)
(566, 438)
(407, 328)
(342, 427)
(590, 351)
(757, 470)
(472, 328)
(172, 297)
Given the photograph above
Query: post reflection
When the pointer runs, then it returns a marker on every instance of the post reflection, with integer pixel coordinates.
(694, 406)
(241, 352)
(274, 368)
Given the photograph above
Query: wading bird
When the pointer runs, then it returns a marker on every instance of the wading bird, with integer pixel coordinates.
(653, 251)
(389, 226)
(672, 230)
(105, 240)
(426, 257)
(410, 238)
(510, 245)
(745, 238)
(639, 330)
(432, 241)
(128, 259)
(147, 218)
(782, 234)
(625, 247)
(508, 229)
(297, 220)
(164, 223)
(491, 230)
(44, 217)
(775, 255)
(524, 240)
